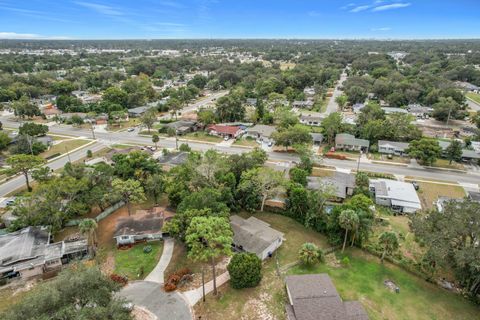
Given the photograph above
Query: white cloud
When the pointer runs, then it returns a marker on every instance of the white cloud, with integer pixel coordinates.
(314, 13)
(170, 24)
(100, 8)
(392, 6)
(29, 36)
(360, 8)
(381, 29)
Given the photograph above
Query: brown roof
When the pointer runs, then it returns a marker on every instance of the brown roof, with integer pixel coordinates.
(225, 129)
(314, 297)
(139, 224)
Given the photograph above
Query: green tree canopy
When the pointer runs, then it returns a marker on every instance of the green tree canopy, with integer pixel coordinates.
(245, 270)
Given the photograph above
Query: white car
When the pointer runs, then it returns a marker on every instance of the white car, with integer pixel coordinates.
(131, 129)
(226, 138)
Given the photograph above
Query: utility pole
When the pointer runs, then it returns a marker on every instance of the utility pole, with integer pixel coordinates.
(449, 113)
(68, 155)
(93, 130)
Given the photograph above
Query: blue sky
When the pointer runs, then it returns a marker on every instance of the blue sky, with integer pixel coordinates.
(150, 19)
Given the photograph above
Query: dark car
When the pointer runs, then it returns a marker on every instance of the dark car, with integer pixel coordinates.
(415, 185)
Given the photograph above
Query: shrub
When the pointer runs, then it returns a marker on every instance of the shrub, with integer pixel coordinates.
(310, 254)
(184, 147)
(119, 279)
(168, 287)
(89, 153)
(345, 261)
(147, 249)
(245, 270)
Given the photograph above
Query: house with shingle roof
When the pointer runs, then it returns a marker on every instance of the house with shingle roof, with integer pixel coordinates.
(255, 236)
(314, 297)
(346, 141)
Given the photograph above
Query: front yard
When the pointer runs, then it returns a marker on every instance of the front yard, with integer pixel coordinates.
(201, 136)
(362, 280)
(134, 262)
(64, 147)
(430, 191)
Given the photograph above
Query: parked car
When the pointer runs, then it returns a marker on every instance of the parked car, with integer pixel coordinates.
(416, 185)
(226, 138)
(131, 129)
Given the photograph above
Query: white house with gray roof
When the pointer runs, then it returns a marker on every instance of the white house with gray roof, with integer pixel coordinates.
(346, 141)
(255, 236)
(392, 147)
(398, 195)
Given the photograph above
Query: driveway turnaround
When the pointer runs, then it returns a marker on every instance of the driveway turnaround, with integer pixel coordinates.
(164, 305)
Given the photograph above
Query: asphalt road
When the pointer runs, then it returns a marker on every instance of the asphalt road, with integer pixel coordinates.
(133, 138)
(197, 105)
(332, 106)
(473, 105)
(19, 181)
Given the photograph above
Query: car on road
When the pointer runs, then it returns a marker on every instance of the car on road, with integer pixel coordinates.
(226, 138)
(270, 144)
(131, 129)
(416, 185)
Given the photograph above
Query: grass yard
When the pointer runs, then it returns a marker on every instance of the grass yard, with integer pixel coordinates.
(443, 163)
(417, 300)
(320, 172)
(131, 262)
(9, 297)
(64, 147)
(265, 301)
(247, 142)
(201, 136)
(383, 157)
(132, 122)
(429, 192)
(474, 96)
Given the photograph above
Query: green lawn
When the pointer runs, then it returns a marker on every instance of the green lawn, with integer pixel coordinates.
(474, 96)
(363, 281)
(444, 163)
(429, 192)
(201, 136)
(64, 147)
(130, 262)
(248, 142)
(417, 300)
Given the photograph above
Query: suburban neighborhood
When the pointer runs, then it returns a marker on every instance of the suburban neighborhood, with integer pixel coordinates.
(269, 179)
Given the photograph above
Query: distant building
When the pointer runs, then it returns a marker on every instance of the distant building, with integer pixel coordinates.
(261, 132)
(308, 104)
(252, 102)
(172, 159)
(317, 138)
(346, 141)
(29, 252)
(419, 111)
(182, 127)
(311, 119)
(225, 131)
(400, 196)
(357, 107)
(390, 110)
(392, 147)
(314, 297)
(255, 236)
(139, 111)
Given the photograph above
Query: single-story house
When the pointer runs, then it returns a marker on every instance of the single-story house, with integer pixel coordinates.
(139, 111)
(28, 252)
(391, 110)
(476, 146)
(182, 126)
(172, 159)
(311, 119)
(255, 236)
(392, 147)
(343, 183)
(252, 102)
(314, 297)
(357, 107)
(468, 86)
(398, 195)
(261, 132)
(419, 111)
(308, 104)
(346, 141)
(69, 115)
(309, 91)
(225, 131)
(470, 155)
(317, 138)
(51, 112)
(143, 226)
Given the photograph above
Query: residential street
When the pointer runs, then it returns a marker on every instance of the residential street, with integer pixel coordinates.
(110, 138)
(332, 106)
(197, 105)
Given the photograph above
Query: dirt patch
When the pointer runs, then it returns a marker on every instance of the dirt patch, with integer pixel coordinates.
(108, 266)
(139, 313)
(332, 261)
(257, 309)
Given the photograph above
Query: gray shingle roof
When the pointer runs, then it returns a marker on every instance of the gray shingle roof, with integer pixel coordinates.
(253, 234)
(348, 139)
(314, 297)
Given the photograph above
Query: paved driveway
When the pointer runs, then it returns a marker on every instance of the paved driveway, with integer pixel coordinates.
(164, 305)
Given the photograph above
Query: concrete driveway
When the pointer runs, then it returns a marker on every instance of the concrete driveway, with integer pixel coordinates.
(164, 305)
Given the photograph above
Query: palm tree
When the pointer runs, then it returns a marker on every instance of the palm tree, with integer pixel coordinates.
(389, 241)
(348, 219)
(88, 227)
(309, 253)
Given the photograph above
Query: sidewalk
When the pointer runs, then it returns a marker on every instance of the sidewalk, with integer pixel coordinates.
(157, 274)
(195, 295)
